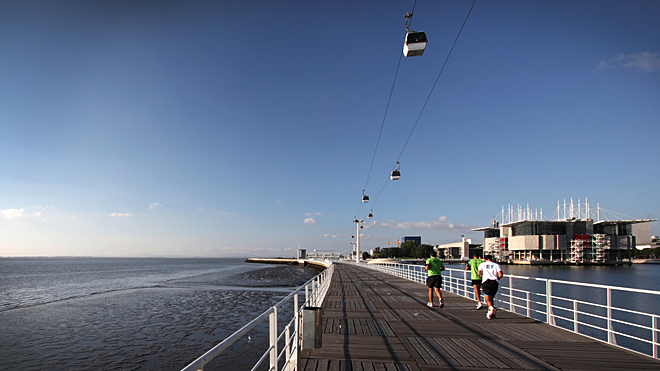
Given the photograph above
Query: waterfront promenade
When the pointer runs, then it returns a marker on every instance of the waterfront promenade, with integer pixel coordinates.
(375, 321)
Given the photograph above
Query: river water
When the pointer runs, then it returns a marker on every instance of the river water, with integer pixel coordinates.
(134, 314)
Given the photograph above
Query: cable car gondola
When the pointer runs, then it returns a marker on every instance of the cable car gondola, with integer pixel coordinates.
(371, 215)
(396, 174)
(365, 198)
(415, 42)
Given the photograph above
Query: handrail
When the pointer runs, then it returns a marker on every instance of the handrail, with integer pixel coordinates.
(603, 321)
(313, 297)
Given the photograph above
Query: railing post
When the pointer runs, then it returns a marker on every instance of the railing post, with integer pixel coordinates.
(655, 336)
(548, 302)
(528, 304)
(307, 294)
(575, 317)
(296, 329)
(511, 308)
(273, 339)
(287, 347)
(611, 338)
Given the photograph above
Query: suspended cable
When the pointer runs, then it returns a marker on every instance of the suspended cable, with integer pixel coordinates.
(436, 80)
(387, 107)
(425, 103)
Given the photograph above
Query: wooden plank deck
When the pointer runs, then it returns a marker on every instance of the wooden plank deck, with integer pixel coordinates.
(375, 321)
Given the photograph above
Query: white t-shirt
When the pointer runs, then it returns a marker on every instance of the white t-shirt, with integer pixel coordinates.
(489, 271)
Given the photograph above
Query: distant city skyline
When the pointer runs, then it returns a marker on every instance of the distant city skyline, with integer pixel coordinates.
(172, 128)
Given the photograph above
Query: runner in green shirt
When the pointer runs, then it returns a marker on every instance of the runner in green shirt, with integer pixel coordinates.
(473, 266)
(434, 281)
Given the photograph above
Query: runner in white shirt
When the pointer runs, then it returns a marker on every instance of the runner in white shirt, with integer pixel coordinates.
(490, 272)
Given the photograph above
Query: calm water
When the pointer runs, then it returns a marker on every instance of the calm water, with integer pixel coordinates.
(638, 276)
(134, 314)
(30, 281)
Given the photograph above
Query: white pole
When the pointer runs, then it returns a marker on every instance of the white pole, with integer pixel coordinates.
(357, 245)
(558, 210)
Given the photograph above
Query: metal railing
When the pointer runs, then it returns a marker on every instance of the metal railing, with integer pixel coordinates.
(287, 359)
(616, 315)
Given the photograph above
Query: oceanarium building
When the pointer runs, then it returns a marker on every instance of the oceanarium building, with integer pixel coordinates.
(573, 236)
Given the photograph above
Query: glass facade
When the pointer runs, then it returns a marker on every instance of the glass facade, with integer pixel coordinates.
(614, 229)
(540, 228)
(490, 233)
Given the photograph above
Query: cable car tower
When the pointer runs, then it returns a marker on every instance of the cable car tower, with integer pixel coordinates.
(415, 42)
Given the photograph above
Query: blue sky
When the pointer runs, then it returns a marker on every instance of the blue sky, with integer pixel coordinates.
(248, 128)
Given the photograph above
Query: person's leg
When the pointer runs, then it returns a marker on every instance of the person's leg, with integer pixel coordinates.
(477, 295)
(430, 297)
(437, 292)
(489, 301)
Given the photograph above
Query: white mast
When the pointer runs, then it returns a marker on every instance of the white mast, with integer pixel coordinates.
(586, 201)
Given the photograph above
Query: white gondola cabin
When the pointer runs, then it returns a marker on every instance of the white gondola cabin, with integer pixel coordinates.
(396, 174)
(365, 198)
(415, 44)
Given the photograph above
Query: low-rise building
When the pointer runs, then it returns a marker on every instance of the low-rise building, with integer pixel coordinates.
(578, 238)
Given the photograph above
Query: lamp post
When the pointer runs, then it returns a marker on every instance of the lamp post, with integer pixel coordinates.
(357, 245)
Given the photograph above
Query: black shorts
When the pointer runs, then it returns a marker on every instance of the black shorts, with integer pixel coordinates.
(476, 282)
(434, 281)
(490, 287)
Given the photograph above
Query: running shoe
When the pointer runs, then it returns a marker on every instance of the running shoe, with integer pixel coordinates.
(490, 313)
(442, 303)
(429, 304)
(479, 306)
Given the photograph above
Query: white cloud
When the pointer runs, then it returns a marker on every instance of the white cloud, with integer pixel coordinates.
(121, 215)
(222, 212)
(17, 213)
(310, 221)
(200, 208)
(13, 213)
(278, 202)
(155, 205)
(327, 235)
(314, 214)
(437, 225)
(645, 61)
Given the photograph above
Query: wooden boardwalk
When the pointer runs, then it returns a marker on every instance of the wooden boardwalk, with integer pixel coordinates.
(375, 321)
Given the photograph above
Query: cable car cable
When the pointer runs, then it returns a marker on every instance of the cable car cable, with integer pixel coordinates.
(436, 80)
(382, 125)
(387, 106)
(425, 103)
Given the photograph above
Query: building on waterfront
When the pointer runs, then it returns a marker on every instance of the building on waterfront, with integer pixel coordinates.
(463, 249)
(573, 236)
(417, 239)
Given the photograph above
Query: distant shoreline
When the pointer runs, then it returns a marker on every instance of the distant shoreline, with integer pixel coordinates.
(319, 265)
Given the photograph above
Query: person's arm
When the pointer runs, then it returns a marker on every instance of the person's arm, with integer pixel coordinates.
(500, 274)
(481, 274)
(443, 268)
(467, 267)
(426, 267)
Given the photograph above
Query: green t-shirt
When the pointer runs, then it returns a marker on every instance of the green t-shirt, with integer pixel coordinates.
(435, 266)
(474, 268)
